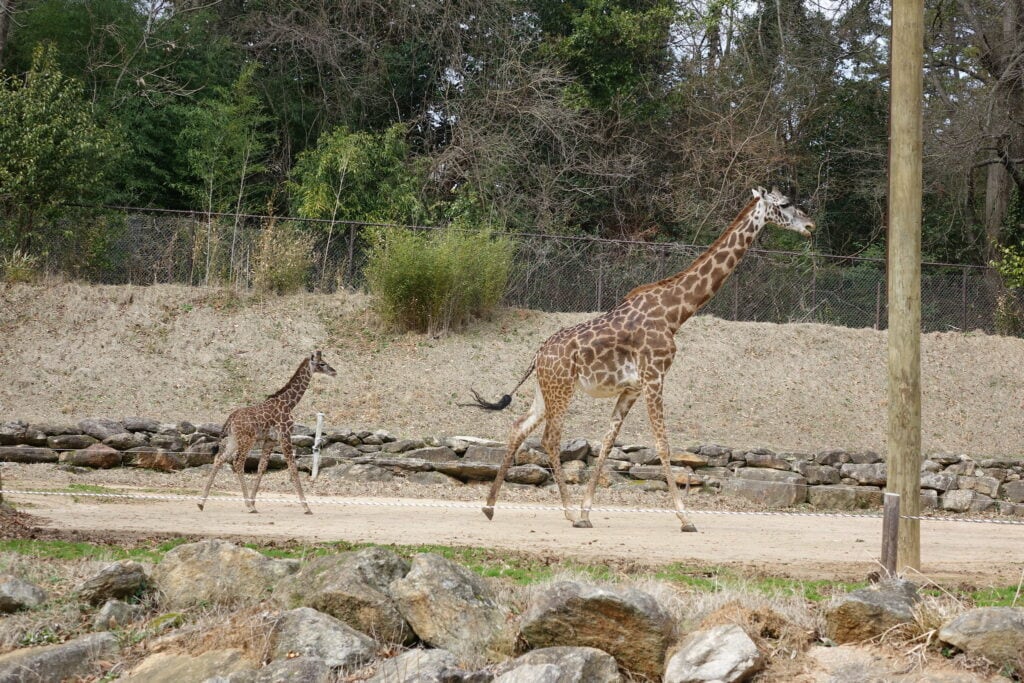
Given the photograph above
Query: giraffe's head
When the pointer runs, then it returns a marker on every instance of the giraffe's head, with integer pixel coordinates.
(318, 364)
(782, 212)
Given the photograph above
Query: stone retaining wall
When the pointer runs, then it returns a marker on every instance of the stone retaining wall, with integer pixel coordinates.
(830, 479)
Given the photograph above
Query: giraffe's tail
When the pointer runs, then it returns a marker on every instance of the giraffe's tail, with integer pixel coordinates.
(479, 402)
(501, 403)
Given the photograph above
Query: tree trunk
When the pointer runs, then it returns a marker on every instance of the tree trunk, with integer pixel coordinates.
(6, 10)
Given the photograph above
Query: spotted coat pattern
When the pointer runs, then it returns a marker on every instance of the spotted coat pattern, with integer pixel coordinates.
(260, 424)
(626, 352)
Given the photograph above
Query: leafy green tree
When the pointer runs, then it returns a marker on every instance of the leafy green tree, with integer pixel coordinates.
(53, 150)
(617, 49)
(357, 176)
(225, 146)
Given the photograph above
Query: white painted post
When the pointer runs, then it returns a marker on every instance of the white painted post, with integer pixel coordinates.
(316, 445)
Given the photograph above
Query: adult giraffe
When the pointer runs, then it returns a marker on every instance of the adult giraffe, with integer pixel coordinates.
(627, 351)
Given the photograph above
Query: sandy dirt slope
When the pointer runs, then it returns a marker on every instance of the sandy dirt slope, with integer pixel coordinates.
(70, 351)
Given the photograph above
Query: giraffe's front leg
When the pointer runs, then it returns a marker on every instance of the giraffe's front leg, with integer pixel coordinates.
(655, 411)
(293, 469)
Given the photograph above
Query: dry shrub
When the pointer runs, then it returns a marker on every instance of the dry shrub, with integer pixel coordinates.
(282, 259)
(437, 281)
(19, 266)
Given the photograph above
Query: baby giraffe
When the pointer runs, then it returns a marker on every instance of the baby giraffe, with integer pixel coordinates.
(247, 426)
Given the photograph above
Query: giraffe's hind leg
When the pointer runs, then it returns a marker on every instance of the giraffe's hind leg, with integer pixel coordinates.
(622, 406)
(520, 430)
(229, 450)
(265, 453)
(552, 442)
(238, 464)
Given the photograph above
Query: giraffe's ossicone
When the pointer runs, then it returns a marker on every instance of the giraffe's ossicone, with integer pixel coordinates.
(625, 353)
(263, 424)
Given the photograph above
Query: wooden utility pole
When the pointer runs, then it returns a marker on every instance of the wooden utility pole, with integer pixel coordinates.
(905, 123)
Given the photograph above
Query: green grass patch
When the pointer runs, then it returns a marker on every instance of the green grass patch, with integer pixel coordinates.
(520, 569)
(68, 550)
(1008, 596)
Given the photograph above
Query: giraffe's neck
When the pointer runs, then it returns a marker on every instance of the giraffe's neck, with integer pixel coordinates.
(681, 295)
(291, 393)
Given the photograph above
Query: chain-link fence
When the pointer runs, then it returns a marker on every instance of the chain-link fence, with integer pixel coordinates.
(550, 273)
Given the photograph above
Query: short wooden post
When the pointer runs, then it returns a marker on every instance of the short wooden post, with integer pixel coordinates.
(890, 531)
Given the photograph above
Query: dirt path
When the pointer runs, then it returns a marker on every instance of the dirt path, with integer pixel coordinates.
(800, 547)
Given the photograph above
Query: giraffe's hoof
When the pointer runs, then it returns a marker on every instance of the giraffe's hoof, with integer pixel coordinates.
(582, 524)
(200, 506)
(488, 512)
(688, 527)
(308, 512)
(253, 511)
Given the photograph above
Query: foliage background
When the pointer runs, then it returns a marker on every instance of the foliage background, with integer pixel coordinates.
(636, 119)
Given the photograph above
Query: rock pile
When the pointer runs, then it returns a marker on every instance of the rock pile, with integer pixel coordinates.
(373, 615)
(829, 479)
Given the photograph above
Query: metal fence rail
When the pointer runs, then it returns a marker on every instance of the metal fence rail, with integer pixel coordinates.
(550, 273)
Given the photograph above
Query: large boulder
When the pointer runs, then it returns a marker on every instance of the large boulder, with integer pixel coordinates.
(872, 474)
(166, 667)
(30, 455)
(352, 587)
(419, 666)
(16, 594)
(307, 632)
(995, 633)
(101, 428)
(768, 487)
(560, 665)
(844, 497)
(63, 442)
(450, 607)
(152, 458)
(722, 654)
(122, 579)
(97, 456)
(216, 572)
(294, 670)
(73, 660)
(116, 614)
(870, 612)
(626, 623)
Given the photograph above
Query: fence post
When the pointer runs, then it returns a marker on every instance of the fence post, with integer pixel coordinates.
(351, 255)
(316, 446)
(736, 296)
(878, 305)
(814, 287)
(890, 531)
(963, 297)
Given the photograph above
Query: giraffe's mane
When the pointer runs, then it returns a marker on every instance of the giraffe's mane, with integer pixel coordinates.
(289, 382)
(700, 259)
